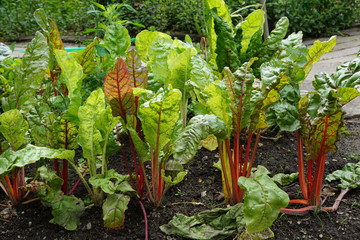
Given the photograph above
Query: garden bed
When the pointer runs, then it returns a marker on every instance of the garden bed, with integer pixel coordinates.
(201, 190)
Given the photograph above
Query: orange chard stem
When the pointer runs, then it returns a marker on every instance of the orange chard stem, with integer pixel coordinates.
(302, 181)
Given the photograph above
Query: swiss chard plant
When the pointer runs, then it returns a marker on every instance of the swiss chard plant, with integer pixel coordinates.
(321, 118)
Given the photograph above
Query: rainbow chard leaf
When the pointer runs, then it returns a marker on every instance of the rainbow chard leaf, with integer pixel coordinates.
(67, 212)
(316, 51)
(263, 200)
(138, 71)
(114, 209)
(159, 116)
(117, 40)
(86, 58)
(118, 90)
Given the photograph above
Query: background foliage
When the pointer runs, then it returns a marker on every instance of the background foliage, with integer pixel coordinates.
(313, 17)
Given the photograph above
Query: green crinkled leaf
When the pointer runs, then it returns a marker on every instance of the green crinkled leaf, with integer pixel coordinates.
(227, 54)
(316, 51)
(345, 81)
(189, 140)
(252, 24)
(287, 116)
(117, 40)
(86, 57)
(273, 42)
(111, 182)
(223, 13)
(43, 125)
(262, 202)
(31, 154)
(159, 116)
(349, 176)
(73, 75)
(51, 177)
(14, 127)
(200, 72)
(218, 223)
(144, 39)
(283, 179)
(114, 209)
(67, 212)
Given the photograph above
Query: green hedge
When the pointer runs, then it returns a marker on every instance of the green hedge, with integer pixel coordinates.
(313, 17)
(16, 16)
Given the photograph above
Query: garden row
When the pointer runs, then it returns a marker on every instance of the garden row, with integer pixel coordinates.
(54, 102)
(74, 17)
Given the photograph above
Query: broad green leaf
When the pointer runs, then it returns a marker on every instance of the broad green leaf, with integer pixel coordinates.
(142, 148)
(67, 134)
(349, 176)
(209, 143)
(218, 223)
(219, 103)
(67, 212)
(73, 75)
(86, 58)
(31, 154)
(200, 72)
(263, 201)
(179, 66)
(42, 19)
(198, 128)
(114, 209)
(316, 51)
(144, 39)
(223, 13)
(159, 116)
(138, 70)
(227, 54)
(273, 42)
(118, 90)
(117, 40)
(109, 182)
(14, 127)
(173, 181)
(253, 23)
(90, 137)
(29, 75)
(34, 63)
(283, 179)
(158, 55)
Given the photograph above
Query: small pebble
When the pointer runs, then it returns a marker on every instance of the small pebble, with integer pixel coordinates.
(88, 226)
(30, 223)
(298, 222)
(320, 236)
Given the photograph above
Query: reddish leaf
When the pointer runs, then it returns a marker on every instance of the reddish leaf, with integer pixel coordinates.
(55, 37)
(118, 90)
(138, 70)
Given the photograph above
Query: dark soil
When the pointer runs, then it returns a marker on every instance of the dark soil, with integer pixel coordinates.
(200, 191)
